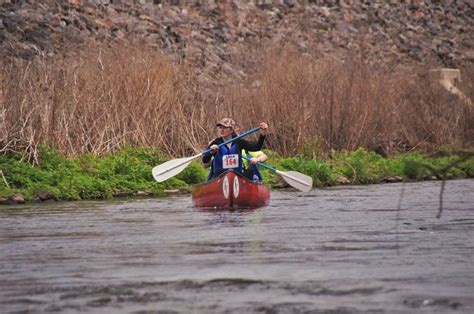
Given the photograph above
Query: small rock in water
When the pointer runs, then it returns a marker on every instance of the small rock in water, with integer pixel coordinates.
(44, 195)
(342, 180)
(17, 199)
(174, 191)
(145, 193)
(4, 201)
(121, 194)
(393, 179)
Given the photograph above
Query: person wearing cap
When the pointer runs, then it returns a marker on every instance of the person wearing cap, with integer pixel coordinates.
(229, 156)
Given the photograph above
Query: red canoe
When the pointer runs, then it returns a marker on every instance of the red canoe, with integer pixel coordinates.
(230, 190)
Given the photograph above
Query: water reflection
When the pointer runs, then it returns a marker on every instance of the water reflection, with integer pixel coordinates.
(224, 221)
(235, 218)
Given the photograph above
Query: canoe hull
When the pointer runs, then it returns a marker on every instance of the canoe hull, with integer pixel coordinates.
(230, 190)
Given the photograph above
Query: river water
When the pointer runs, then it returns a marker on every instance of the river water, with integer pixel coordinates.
(351, 249)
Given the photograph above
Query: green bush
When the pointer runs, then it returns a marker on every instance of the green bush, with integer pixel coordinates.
(468, 167)
(360, 166)
(194, 173)
(315, 168)
(89, 176)
(129, 170)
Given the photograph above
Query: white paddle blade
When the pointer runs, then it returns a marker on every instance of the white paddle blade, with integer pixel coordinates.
(170, 168)
(297, 180)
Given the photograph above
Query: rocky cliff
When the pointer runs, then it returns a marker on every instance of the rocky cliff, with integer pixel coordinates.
(209, 33)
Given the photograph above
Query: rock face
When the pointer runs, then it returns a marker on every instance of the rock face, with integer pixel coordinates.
(209, 33)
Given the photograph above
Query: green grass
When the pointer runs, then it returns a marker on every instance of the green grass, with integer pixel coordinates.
(129, 171)
(90, 176)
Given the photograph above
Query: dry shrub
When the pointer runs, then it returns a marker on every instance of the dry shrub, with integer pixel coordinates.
(98, 103)
(349, 105)
(130, 95)
(429, 117)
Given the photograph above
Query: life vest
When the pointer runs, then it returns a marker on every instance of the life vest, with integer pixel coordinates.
(257, 176)
(226, 158)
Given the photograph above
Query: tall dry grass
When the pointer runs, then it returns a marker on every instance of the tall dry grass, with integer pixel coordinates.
(130, 95)
(99, 103)
(347, 105)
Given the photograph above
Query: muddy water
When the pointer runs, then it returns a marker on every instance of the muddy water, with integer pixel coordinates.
(338, 250)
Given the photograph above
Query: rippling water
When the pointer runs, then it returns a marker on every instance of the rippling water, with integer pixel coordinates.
(338, 250)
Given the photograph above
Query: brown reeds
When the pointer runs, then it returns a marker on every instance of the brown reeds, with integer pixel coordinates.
(130, 95)
(97, 104)
(351, 104)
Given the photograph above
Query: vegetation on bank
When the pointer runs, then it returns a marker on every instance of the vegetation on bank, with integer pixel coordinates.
(128, 172)
(64, 122)
(93, 103)
(88, 176)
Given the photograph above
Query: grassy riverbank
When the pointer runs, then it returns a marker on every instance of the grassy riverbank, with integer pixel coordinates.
(128, 173)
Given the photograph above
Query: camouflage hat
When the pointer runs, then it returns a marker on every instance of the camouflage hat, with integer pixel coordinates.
(227, 122)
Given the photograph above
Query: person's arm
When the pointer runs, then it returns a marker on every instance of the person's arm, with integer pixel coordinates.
(255, 146)
(258, 157)
(206, 158)
(252, 146)
(261, 157)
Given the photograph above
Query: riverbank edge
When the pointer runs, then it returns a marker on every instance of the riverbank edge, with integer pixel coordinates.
(127, 173)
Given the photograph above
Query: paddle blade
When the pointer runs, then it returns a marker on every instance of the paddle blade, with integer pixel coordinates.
(170, 168)
(297, 180)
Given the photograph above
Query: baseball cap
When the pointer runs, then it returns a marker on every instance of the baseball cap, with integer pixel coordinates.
(227, 122)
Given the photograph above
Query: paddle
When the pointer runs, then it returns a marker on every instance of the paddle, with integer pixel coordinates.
(173, 167)
(296, 179)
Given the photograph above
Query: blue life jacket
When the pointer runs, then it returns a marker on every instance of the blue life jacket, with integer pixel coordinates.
(257, 176)
(217, 162)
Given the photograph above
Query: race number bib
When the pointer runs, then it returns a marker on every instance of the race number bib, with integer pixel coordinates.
(230, 161)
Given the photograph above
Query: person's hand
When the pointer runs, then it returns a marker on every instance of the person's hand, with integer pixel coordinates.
(263, 128)
(254, 160)
(214, 148)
